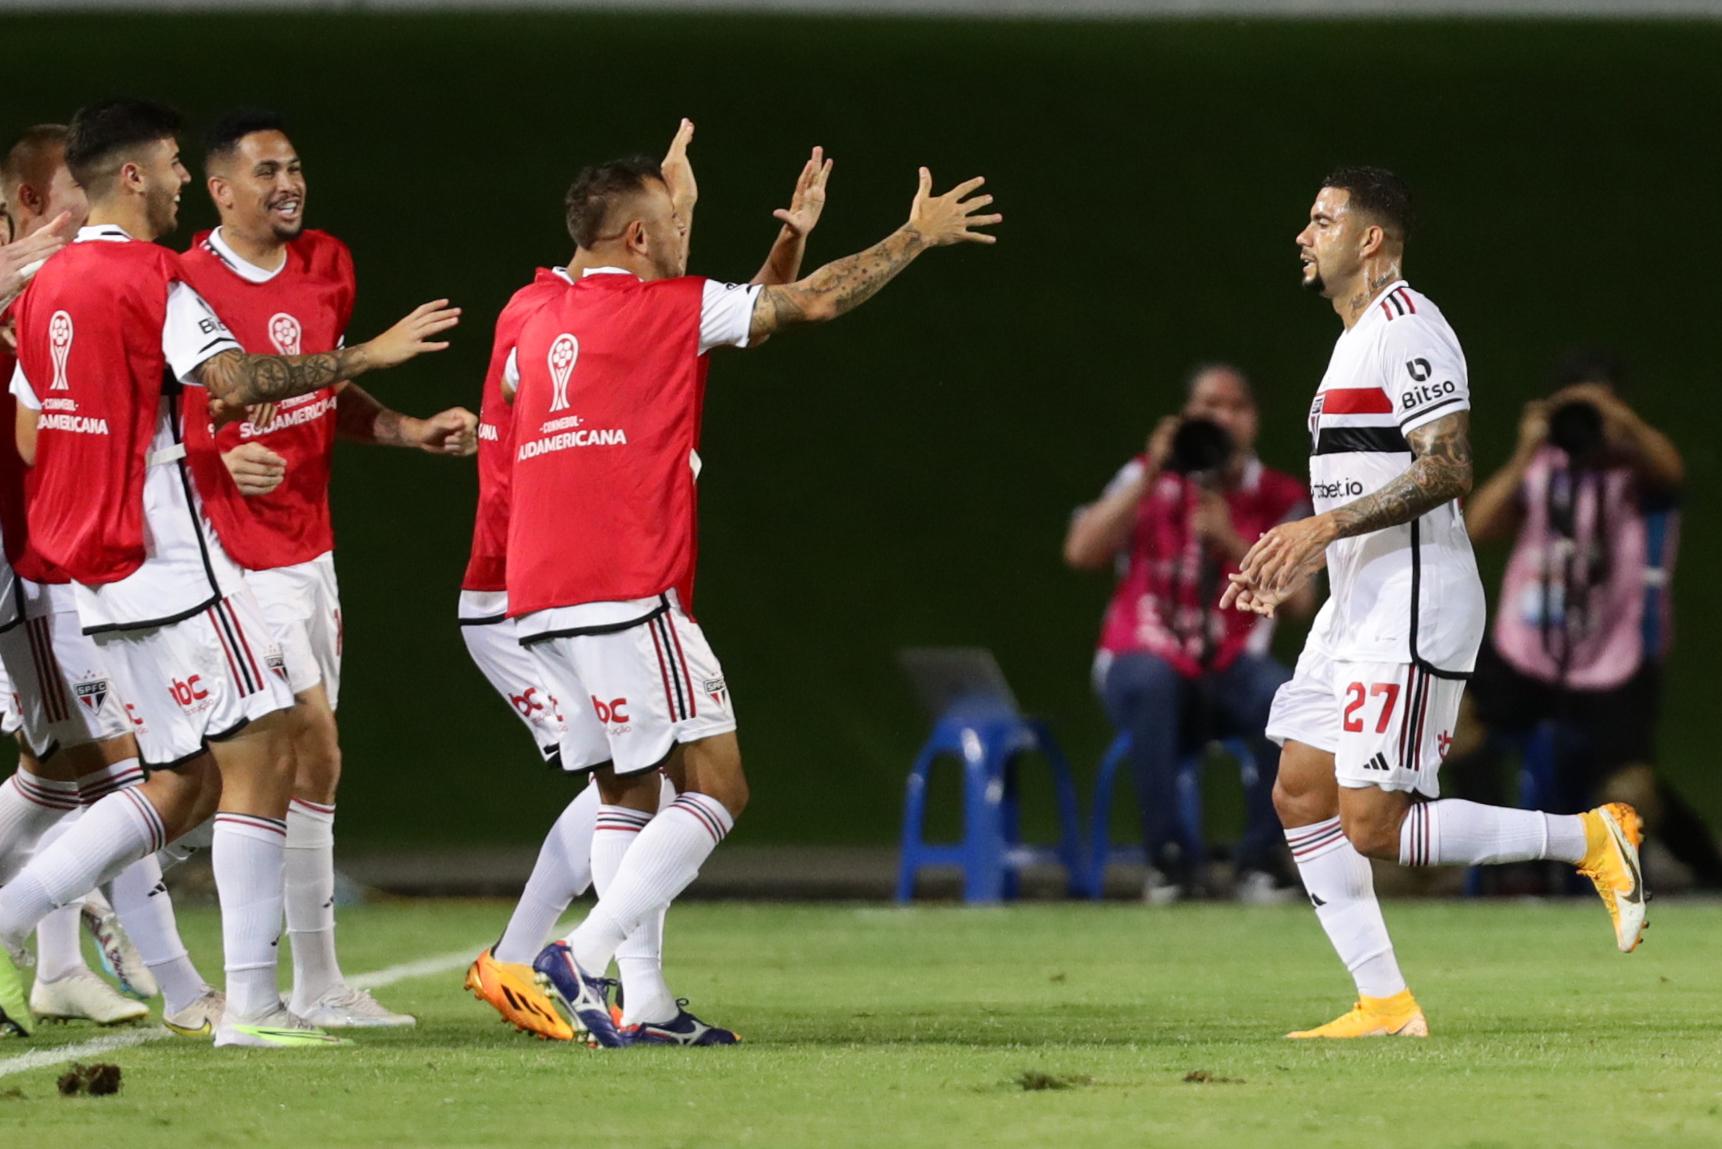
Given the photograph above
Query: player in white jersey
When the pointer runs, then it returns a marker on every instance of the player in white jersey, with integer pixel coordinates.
(1369, 714)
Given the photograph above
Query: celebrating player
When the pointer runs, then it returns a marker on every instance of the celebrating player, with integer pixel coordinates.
(601, 535)
(1369, 713)
(286, 290)
(103, 324)
(74, 719)
(564, 868)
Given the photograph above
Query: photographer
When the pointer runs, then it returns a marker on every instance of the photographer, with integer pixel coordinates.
(1174, 670)
(1582, 621)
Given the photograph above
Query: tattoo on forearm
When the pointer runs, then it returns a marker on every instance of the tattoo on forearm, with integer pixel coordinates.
(243, 380)
(838, 287)
(1440, 473)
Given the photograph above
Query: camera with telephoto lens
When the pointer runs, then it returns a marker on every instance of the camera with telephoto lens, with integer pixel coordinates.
(1576, 428)
(1198, 446)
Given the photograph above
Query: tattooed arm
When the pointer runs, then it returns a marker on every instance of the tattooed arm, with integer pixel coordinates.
(1285, 557)
(1439, 473)
(360, 416)
(236, 380)
(845, 284)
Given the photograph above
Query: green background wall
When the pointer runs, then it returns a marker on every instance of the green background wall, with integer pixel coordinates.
(905, 476)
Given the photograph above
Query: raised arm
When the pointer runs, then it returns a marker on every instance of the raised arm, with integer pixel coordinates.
(783, 263)
(360, 416)
(678, 172)
(845, 284)
(1099, 529)
(1493, 511)
(1440, 471)
(236, 380)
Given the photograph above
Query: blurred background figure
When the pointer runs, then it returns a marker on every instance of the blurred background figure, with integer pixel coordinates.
(1173, 670)
(1583, 618)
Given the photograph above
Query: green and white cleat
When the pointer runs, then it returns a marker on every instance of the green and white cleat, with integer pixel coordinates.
(200, 1018)
(82, 996)
(349, 1008)
(279, 1028)
(15, 1019)
(119, 956)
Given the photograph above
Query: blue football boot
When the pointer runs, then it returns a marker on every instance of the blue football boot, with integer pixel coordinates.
(683, 1029)
(583, 1000)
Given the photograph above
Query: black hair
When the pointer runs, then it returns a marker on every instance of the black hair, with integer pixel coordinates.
(103, 131)
(1589, 365)
(1376, 192)
(1195, 374)
(224, 135)
(599, 188)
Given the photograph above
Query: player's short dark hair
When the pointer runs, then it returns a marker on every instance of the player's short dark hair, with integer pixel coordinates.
(597, 190)
(105, 131)
(1194, 375)
(1376, 192)
(223, 137)
(22, 161)
(1589, 365)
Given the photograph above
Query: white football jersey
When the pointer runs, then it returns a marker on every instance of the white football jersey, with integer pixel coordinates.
(1408, 593)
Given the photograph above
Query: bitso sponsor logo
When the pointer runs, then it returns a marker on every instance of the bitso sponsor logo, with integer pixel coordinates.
(1428, 393)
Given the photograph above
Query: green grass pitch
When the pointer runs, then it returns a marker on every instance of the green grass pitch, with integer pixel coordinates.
(1029, 1026)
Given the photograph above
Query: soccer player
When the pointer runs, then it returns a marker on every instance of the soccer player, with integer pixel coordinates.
(563, 870)
(284, 289)
(77, 745)
(103, 324)
(1369, 713)
(601, 534)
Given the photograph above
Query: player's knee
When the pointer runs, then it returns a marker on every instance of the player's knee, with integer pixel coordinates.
(1373, 833)
(185, 797)
(317, 769)
(1301, 797)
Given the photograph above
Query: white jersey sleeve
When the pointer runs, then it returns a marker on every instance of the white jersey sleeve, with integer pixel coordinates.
(1425, 370)
(192, 333)
(726, 314)
(511, 368)
(22, 391)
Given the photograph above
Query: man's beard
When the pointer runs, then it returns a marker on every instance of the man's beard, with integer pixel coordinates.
(1314, 283)
(163, 217)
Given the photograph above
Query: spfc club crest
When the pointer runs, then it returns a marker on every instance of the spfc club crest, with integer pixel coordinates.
(277, 664)
(92, 694)
(718, 691)
(1315, 419)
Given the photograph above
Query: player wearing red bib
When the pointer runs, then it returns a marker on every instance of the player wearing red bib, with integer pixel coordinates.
(102, 326)
(74, 718)
(601, 535)
(286, 290)
(1368, 715)
(501, 975)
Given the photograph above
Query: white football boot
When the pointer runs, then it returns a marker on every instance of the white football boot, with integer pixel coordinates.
(200, 1018)
(82, 996)
(347, 1008)
(279, 1028)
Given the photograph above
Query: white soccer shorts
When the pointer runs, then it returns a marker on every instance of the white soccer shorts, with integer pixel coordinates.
(302, 605)
(1387, 724)
(198, 680)
(630, 695)
(495, 649)
(10, 704)
(59, 676)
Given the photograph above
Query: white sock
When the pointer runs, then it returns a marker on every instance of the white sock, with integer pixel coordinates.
(248, 859)
(663, 860)
(1342, 890)
(646, 996)
(1453, 832)
(107, 837)
(28, 806)
(145, 909)
(59, 936)
(311, 901)
(561, 874)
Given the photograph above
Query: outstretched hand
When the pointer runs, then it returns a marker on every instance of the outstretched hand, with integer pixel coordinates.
(679, 170)
(808, 202)
(20, 259)
(412, 336)
(951, 218)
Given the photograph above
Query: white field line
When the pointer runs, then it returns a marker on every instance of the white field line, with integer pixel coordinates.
(377, 979)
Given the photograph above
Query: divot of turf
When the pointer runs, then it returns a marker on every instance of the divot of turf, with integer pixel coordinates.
(1033, 1080)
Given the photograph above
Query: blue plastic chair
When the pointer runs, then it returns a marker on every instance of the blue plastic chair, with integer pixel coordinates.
(1102, 853)
(990, 745)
